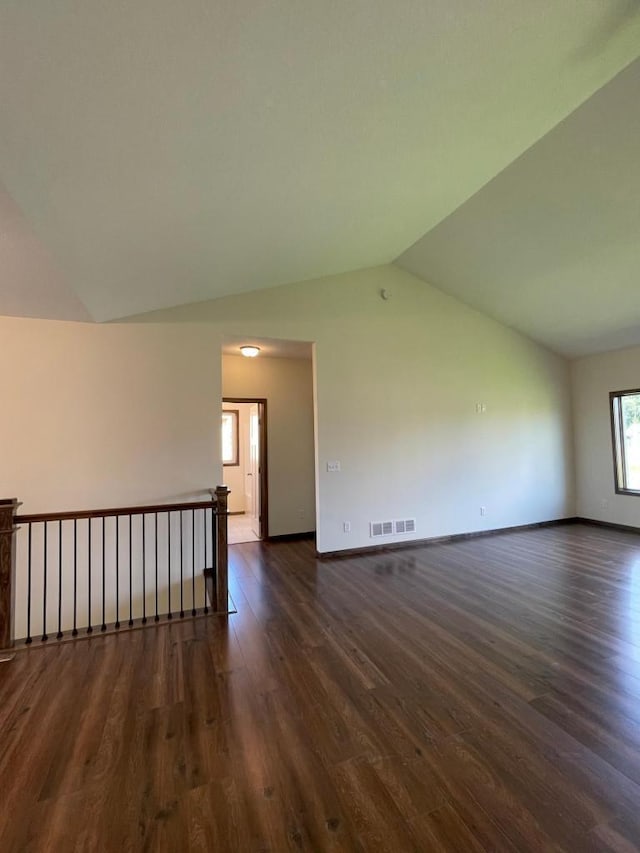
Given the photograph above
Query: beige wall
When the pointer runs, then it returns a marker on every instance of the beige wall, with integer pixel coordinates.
(103, 415)
(287, 384)
(127, 413)
(397, 383)
(593, 378)
(99, 416)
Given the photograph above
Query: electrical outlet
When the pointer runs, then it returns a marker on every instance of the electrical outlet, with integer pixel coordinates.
(346, 526)
(483, 510)
(333, 466)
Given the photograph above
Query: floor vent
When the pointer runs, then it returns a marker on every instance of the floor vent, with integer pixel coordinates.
(405, 525)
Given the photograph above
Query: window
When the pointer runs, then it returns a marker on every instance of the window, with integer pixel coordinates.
(625, 430)
(230, 439)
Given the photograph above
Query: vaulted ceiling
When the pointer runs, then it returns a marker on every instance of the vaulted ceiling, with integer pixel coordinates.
(156, 153)
(551, 246)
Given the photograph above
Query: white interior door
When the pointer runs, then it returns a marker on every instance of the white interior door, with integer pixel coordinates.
(253, 474)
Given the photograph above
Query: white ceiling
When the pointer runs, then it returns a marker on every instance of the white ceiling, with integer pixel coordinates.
(31, 285)
(171, 152)
(551, 246)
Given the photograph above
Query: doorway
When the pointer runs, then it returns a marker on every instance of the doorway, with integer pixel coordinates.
(245, 467)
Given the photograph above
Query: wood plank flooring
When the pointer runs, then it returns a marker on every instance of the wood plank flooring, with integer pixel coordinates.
(481, 695)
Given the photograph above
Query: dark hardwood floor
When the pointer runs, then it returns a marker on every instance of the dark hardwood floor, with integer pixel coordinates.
(481, 695)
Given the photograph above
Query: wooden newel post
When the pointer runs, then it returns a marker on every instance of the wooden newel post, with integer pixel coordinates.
(222, 565)
(8, 509)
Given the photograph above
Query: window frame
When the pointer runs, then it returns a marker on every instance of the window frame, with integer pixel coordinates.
(617, 441)
(235, 419)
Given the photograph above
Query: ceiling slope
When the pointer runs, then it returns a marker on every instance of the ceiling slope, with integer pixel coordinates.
(31, 284)
(174, 152)
(551, 246)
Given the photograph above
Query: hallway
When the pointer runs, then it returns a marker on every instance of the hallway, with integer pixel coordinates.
(240, 529)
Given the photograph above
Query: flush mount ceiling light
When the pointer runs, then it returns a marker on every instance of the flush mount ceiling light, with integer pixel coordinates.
(250, 352)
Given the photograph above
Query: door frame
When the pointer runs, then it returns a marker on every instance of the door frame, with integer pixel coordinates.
(264, 467)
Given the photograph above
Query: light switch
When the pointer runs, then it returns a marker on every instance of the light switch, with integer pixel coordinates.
(333, 466)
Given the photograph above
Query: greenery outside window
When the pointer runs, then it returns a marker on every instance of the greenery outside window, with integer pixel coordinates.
(230, 437)
(625, 431)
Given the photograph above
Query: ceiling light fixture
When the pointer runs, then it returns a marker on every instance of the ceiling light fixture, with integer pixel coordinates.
(250, 352)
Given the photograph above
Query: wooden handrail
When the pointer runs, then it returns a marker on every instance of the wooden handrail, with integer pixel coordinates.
(8, 529)
(112, 511)
(9, 521)
(221, 496)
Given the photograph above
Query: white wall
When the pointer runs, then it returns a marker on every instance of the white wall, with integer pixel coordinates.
(287, 385)
(593, 378)
(397, 386)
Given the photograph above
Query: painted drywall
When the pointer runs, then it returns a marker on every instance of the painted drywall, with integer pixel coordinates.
(98, 416)
(577, 193)
(593, 378)
(397, 385)
(287, 385)
(234, 475)
(107, 415)
(168, 151)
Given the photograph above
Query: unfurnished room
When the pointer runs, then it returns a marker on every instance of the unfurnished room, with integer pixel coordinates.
(320, 426)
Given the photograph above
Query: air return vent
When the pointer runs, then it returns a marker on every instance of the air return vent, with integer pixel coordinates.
(381, 528)
(388, 528)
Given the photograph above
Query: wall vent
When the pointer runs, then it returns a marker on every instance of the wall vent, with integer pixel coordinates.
(388, 528)
(381, 528)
